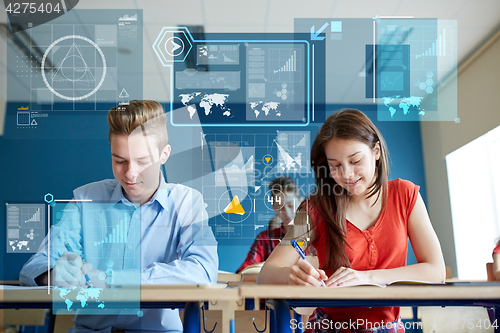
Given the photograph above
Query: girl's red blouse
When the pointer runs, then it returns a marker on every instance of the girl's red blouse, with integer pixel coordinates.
(382, 246)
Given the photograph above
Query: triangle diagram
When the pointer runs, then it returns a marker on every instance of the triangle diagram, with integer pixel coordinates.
(124, 94)
(300, 244)
(302, 142)
(234, 207)
(73, 68)
(285, 157)
(33, 122)
(267, 159)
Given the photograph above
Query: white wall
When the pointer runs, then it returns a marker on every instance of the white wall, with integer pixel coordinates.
(475, 230)
(479, 112)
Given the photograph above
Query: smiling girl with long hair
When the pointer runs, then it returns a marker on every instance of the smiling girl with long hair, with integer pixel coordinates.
(359, 222)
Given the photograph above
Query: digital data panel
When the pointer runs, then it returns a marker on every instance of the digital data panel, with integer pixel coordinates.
(237, 195)
(404, 66)
(25, 227)
(108, 236)
(81, 63)
(237, 79)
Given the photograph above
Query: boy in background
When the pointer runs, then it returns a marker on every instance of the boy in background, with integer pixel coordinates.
(286, 199)
(164, 236)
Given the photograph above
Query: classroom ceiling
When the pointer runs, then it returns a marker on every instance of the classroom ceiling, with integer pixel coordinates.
(476, 20)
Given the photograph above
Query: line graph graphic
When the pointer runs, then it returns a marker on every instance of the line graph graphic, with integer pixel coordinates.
(293, 148)
(293, 153)
(391, 81)
(256, 90)
(218, 54)
(227, 59)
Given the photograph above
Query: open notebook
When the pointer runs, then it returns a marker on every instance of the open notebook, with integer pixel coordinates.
(395, 282)
(253, 269)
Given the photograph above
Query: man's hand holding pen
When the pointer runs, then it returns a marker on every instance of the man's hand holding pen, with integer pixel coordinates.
(71, 271)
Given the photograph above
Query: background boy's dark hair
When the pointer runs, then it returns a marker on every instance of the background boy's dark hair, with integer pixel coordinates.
(284, 184)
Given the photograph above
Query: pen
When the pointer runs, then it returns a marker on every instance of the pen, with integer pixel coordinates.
(87, 278)
(303, 256)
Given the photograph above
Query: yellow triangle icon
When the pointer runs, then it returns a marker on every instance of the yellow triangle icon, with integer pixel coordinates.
(267, 159)
(234, 207)
(300, 244)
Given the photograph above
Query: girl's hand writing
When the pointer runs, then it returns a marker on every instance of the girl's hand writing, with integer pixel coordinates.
(303, 273)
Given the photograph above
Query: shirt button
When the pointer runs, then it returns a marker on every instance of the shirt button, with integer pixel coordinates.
(371, 246)
(136, 216)
(129, 247)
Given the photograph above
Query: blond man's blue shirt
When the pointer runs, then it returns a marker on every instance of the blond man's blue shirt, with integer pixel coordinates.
(165, 241)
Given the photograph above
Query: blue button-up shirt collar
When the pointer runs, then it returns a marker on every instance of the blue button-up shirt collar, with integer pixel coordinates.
(161, 195)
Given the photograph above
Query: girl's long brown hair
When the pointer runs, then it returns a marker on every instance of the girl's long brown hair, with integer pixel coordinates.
(329, 197)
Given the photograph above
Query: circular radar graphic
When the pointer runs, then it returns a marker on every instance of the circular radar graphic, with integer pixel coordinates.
(235, 206)
(79, 70)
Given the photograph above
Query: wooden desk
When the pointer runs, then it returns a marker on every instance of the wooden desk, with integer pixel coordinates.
(282, 297)
(151, 296)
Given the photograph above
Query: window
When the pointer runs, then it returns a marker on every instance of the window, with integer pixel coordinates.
(474, 182)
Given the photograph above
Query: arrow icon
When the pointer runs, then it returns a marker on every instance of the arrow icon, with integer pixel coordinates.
(315, 35)
(175, 46)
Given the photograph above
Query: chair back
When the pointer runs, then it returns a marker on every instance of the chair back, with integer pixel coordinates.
(489, 271)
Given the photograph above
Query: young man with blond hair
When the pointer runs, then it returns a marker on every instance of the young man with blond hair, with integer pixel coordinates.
(162, 234)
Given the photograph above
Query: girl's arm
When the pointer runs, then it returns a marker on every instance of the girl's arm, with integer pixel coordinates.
(430, 263)
(284, 265)
(496, 266)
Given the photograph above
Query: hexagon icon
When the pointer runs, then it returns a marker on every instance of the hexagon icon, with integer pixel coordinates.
(422, 85)
(429, 74)
(173, 48)
(110, 263)
(48, 198)
(101, 276)
(429, 90)
(429, 82)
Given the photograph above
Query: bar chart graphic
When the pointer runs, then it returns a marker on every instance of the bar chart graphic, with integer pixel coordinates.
(437, 48)
(433, 47)
(285, 65)
(35, 216)
(290, 65)
(118, 234)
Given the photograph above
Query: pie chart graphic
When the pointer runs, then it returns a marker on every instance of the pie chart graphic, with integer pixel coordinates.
(174, 46)
(235, 206)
